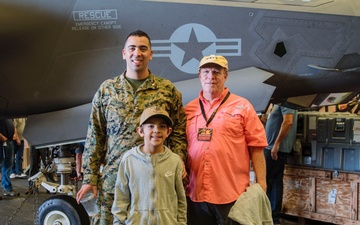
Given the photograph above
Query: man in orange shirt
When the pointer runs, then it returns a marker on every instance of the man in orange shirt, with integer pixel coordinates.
(224, 134)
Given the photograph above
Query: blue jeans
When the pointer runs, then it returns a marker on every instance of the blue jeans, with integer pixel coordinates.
(17, 165)
(8, 156)
(1, 154)
(274, 181)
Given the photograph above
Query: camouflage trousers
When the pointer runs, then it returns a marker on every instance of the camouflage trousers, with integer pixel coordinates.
(104, 216)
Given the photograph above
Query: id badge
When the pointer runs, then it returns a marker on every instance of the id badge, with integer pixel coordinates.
(204, 134)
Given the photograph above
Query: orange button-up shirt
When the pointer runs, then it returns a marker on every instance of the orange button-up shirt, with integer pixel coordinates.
(219, 169)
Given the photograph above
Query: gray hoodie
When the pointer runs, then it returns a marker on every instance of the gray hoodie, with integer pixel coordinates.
(149, 189)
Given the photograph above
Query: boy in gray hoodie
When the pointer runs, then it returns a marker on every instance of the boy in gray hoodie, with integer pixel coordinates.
(149, 188)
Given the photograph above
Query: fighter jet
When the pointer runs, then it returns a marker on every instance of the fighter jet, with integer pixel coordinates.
(55, 54)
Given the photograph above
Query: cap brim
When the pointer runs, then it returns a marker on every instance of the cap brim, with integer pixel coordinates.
(168, 121)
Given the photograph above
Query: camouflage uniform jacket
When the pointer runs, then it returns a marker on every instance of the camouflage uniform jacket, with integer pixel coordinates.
(116, 109)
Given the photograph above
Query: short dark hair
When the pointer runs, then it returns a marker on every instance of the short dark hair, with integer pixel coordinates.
(139, 33)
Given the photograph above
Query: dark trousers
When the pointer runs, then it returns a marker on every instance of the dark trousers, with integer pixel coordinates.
(35, 156)
(274, 181)
(203, 213)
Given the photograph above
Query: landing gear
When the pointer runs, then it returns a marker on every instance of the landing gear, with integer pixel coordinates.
(62, 210)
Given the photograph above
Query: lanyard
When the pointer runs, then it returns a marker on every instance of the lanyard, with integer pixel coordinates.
(213, 114)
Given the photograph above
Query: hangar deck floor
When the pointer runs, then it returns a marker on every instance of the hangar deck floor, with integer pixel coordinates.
(20, 210)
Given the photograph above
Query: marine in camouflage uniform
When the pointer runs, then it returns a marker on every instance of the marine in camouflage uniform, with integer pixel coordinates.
(112, 130)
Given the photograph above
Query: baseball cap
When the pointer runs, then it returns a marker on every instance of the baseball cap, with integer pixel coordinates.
(155, 111)
(217, 59)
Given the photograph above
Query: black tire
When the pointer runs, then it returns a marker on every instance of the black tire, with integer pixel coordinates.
(64, 209)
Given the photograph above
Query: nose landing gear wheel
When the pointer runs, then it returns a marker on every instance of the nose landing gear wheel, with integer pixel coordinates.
(62, 210)
(56, 217)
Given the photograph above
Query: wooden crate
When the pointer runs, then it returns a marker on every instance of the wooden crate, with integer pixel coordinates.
(306, 194)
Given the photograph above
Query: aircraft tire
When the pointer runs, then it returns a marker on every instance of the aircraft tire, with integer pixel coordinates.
(62, 209)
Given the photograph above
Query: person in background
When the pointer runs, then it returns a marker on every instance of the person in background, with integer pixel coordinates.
(17, 169)
(149, 182)
(78, 159)
(7, 136)
(116, 108)
(38, 158)
(281, 134)
(224, 134)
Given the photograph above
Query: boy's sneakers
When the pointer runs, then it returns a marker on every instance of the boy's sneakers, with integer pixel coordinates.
(10, 193)
(12, 176)
(22, 175)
